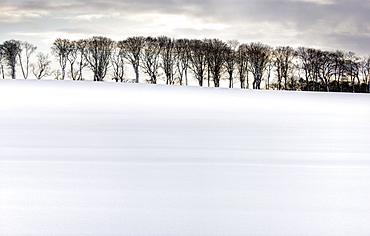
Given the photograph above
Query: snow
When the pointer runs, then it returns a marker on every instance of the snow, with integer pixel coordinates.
(88, 158)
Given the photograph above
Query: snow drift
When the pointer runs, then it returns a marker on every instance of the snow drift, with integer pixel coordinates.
(85, 158)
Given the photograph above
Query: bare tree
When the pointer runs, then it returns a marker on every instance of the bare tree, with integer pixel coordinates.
(303, 55)
(315, 65)
(258, 57)
(198, 60)
(11, 50)
(365, 70)
(42, 67)
(283, 62)
(2, 63)
(242, 64)
(167, 55)
(72, 59)
(98, 51)
(230, 60)
(269, 68)
(216, 55)
(118, 64)
(353, 68)
(131, 49)
(61, 49)
(76, 57)
(182, 52)
(327, 68)
(24, 57)
(150, 59)
(338, 60)
(208, 56)
(310, 63)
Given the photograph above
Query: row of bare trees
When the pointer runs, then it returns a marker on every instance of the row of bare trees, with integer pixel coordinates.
(209, 61)
(14, 52)
(333, 71)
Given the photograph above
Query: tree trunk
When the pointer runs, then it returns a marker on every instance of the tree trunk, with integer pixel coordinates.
(242, 80)
(13, 73)
(328, 86)
(137, 75)
(25, 74)
(285, 86)
(353, 84)
(186, 77)
(231, 80)
(200, 82)
(2, 71)
(242, 83)
(247, 84)
(209, 79)
(63, 73)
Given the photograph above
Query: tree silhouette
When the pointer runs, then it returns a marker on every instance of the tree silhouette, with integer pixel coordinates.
(118, 64)
(2, 62)
(365, 70)
(258, 57)
(283, 62)
(61, 49)
(98, 51)
(182, 57)
(352, 67)
(198, 60)
(42, 67)
(310, 63)
(11, 49)
(168, 58)
(242, 65)
(230, 60)
(131, 50)
(216, 53)
(27, 49)
(76, 57)
(150, 58)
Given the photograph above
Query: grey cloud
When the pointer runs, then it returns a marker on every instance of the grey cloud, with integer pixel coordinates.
(341, 23)
(98, 6)
(77, 30)
(355, 43)
(255, 10)
(232, 9)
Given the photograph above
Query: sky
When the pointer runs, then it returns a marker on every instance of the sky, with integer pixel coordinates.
(324, 24)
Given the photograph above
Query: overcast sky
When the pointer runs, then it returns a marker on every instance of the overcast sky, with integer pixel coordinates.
(325, 24)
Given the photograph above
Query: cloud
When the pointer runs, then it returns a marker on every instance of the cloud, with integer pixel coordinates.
(171, 21)
(87, 17)
(323, 2)
(323, 23)
(12, 15)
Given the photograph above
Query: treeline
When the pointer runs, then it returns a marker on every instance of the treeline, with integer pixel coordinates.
(207, 61)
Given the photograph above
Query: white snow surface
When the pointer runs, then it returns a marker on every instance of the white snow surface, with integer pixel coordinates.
(88, 158)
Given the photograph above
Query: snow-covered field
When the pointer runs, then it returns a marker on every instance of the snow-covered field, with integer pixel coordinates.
(85, 158)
